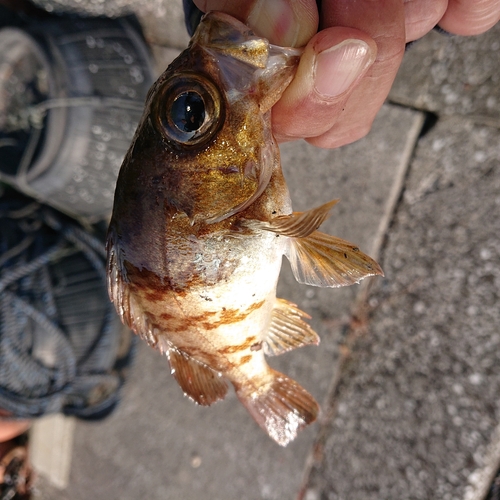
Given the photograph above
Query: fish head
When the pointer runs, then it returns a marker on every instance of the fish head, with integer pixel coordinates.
(204, 146)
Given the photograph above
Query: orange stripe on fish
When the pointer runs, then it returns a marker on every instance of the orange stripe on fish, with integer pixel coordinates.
(230, 349)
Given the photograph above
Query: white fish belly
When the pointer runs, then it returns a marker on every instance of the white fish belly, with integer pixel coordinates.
(224, 322)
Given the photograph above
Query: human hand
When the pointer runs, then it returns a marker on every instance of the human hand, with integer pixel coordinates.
(9, 429)
(347, 68)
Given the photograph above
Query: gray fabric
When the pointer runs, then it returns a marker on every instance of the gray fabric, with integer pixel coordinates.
(59, 334)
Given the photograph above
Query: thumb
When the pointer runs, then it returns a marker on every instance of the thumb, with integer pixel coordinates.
(332, 64)
(288, 23)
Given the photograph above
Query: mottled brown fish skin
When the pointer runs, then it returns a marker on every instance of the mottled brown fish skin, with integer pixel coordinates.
(201, 290)
(201, 219)
(215, 295)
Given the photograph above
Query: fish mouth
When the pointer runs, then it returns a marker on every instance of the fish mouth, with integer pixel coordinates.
(245, 59)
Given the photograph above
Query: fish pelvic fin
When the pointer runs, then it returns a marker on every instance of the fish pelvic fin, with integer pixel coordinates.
(201, 383)
(281, 406)
(288, 330)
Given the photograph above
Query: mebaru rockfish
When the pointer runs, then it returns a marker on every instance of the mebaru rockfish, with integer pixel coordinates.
(201, 220)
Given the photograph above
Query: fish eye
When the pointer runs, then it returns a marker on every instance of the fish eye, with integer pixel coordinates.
(189, 110)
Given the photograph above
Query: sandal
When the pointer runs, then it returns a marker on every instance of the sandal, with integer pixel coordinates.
(16, 473)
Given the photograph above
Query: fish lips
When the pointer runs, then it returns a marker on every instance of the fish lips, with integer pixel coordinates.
(247, 61)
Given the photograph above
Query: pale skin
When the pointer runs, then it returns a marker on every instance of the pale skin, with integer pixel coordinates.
(363, 40)
(12, 428)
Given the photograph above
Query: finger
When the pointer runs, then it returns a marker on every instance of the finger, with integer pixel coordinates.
(289, 23)
(12, 428)
(333, 62)
(421, 16)
(470, 17)
(383, 22)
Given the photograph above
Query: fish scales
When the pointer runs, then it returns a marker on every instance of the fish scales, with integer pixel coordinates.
(201, 219)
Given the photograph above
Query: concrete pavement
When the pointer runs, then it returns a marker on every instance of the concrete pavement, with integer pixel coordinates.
(415, 411)
(408, 368)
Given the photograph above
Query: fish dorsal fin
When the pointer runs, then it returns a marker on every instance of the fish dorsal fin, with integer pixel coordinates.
(323, 260)
(280, 406)
(288, 330)
(296, 225)
(202, 384)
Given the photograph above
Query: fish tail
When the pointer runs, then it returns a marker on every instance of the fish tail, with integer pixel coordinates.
(281, 407)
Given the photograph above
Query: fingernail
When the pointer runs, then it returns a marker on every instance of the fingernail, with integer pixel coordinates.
(275, 21)
(338, 67)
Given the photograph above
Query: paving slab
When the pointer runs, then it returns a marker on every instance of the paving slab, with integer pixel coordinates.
(158, 444)
(51, 447)
(452, 75)
(416, 412)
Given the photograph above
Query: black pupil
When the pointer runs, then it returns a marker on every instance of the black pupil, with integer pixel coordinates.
(188, 112)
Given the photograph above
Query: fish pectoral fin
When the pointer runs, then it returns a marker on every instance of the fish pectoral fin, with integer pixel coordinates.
(280, 406)
(117, 287)
(323, 260)
(297, 224)
(126, 306)
(288, 330)
(198, 381)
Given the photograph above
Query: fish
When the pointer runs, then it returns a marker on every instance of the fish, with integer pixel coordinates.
(201, 220)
